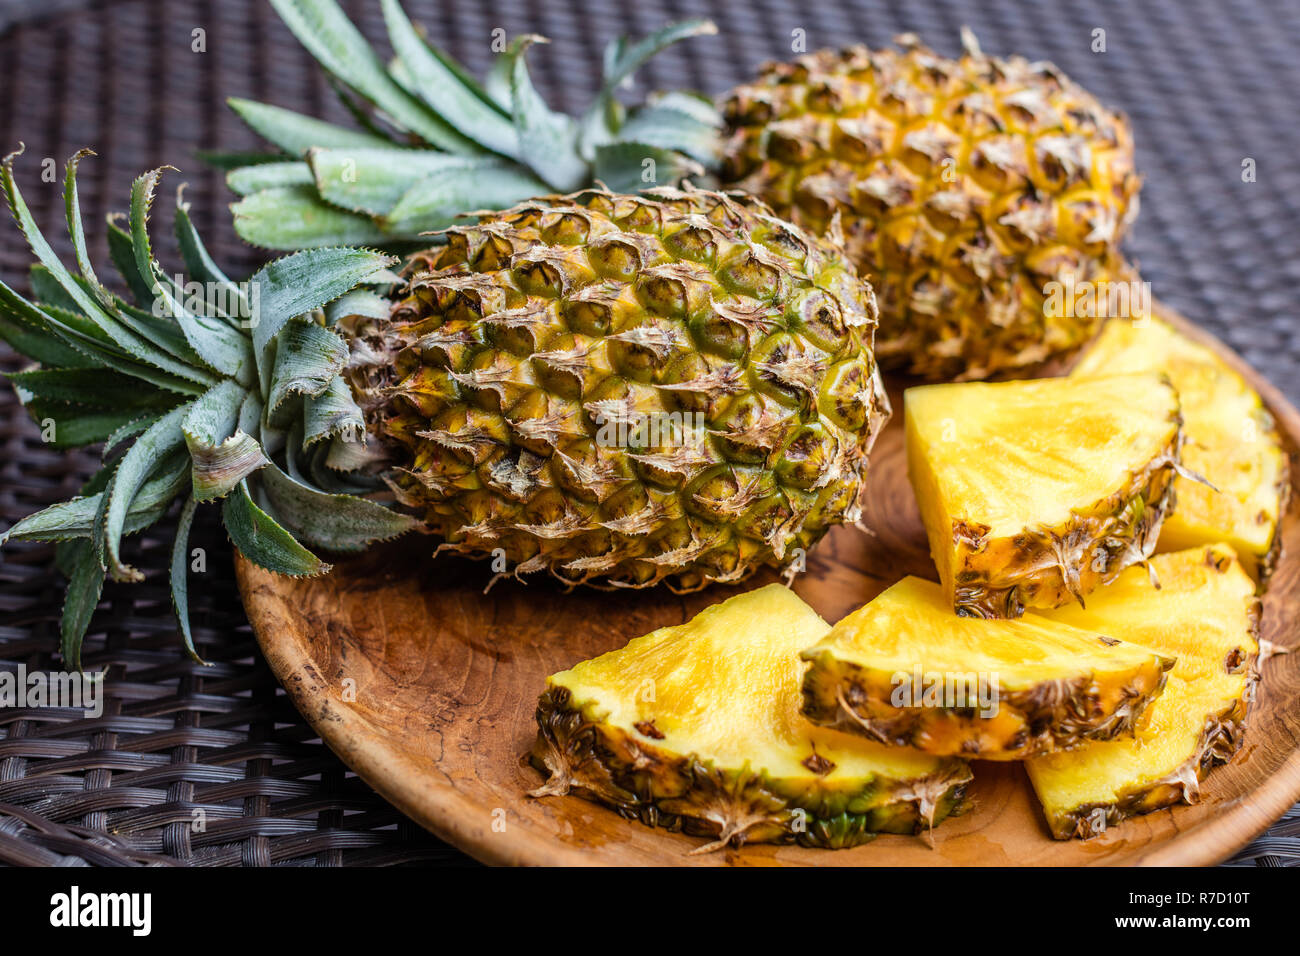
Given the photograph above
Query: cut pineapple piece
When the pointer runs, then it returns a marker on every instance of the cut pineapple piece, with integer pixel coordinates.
(1206, 614)
(906, 670)
(1230, 440)
(1034, 493)
(698, 725)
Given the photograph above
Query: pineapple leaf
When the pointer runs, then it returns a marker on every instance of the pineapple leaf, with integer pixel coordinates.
(327, 33)
(94, 387)
(157, 441)
(373, 180)
(222, 455)
(198, 262)
(72, 207)
(263, 541)
(40, 346)
(623, 166)
(669, 128)
(85, 585)
(76, 425)
(295, 133)
(332, 412)
(547, 138)
(216, 343)
(47, 291)
(437, 201)
(122, 253)
(75, 518)
(307, 280)
(357, 302)
(180, 579)
(307, 357)
(296, 218)
(125, 338)
(338, 522)
(253, 179)
(129, 430)
(621, 61)
(444, 89)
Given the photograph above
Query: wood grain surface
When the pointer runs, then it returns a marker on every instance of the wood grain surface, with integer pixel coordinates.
(426, 687)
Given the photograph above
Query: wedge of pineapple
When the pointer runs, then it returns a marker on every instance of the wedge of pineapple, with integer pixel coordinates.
(1034, 493)
(698, 726)
(1230, 439)
(1206, 614)
(906, 670)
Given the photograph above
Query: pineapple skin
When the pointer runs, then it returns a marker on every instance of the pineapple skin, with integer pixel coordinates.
(1213, 736)
(1045, 566)
(682, 793)
(1229, 433)
(1092, 702)
(622, 390)
(962, 187)
(719, 748)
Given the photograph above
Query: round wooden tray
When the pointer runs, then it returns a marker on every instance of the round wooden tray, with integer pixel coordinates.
(426, 687)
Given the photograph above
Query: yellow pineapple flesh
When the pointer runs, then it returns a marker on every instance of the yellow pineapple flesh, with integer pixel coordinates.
(1206, 614)
(906, 670)
(698, 726)
(1034, 493)
(1230, 441)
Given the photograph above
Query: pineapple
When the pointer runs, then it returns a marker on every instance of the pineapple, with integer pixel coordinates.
(1034, 493)
(626, 390)
(964, 187)
(436, 142)
(1230, 440)
(1206, 614)
(905, 670)
(617, 390)
(698, 726)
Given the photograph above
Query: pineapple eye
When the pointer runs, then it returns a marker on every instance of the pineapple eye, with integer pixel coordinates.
(615, 258)
(818, 315)
(749, 275)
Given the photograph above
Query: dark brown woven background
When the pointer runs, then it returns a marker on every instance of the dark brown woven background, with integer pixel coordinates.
(1206, 82)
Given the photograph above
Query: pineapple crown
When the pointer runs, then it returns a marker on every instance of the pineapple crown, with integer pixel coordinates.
(206, 390)
(435, 142)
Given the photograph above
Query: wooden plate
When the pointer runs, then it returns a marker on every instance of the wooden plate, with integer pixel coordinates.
(426, 687)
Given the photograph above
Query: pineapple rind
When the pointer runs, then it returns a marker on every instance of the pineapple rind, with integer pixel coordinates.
(963, 187)
(1068, 685)
(1231, 440)
(998, 574)
(583, 755)
(624, 390)
(698, 725)
(1214, 680)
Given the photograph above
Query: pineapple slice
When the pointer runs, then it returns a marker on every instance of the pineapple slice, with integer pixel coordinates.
(1230, 440)
(698, 725)
(906, 670)
(1034, 493)
(1206, 614)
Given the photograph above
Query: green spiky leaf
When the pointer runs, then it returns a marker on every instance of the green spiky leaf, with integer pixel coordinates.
(323, 28)
(295, 217)
(263, 541)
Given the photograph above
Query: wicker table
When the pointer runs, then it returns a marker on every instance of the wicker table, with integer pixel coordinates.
(1207, 85)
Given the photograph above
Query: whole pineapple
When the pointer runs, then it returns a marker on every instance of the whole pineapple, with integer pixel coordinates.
(619, 390)
(963, 188)
(622, 390)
